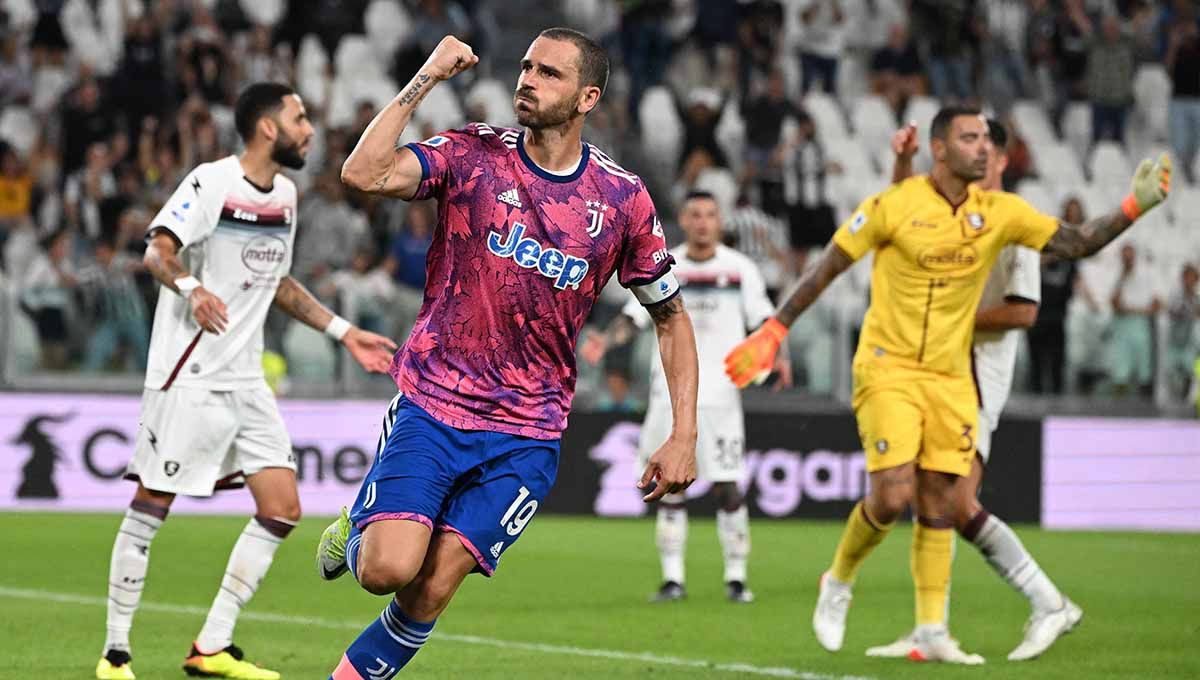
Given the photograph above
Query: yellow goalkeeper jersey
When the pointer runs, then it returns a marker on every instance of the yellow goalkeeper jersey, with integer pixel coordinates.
(932, 260)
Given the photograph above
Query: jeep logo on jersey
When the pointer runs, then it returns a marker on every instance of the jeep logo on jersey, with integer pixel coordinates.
(264, 254)
(553, 263)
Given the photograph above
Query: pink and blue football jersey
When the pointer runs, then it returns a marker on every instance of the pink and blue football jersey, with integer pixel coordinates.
(518, 258)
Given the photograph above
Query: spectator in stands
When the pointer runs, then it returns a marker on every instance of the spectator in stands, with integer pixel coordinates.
(868, 24)
(764, 239)
(406, 258)
(700, 120)
(205, 60)
(16, 191)
(645, 46)
(947, 29)
(16, 71)
(821, 37)
(87, 120)
(1071, 57)
(1131, 346)
(140, 86)
(330, 232)
(1110, 65)
(764, 116)
(617, 397)
(257, 61)
(45, 295)
(806, 187)
(1183, 309)
(896, 73)
(117, 313)
(1005, 30)
(1182, 60)
(1041, 33)
(87, 188)
(1047, 337)
(364, 293)
(759, 37)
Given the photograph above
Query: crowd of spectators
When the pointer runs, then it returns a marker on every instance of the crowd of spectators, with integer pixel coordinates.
(106, 104)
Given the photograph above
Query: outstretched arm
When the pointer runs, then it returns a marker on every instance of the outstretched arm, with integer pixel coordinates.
(376, 165)
(673, 465)
(753, 359)
(373, 352)
(1151, 184)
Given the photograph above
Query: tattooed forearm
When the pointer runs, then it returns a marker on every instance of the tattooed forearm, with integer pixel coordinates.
(813, 281)
(1075, 241)
(661, 313)
(162, 259)
(298, 303)
(411, 94)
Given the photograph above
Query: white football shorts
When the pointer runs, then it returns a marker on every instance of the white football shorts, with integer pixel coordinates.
(720, 440)
(195, 441)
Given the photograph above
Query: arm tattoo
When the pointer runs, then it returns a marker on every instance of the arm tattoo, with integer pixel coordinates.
(298, 303)
(661, 313)
(163, 261)
(413, 93)
(833, 261)
(1076, 241)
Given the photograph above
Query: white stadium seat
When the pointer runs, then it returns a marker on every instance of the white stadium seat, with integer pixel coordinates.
(1039, 196)
(494, 98)
(312, 65)
(873, 122)
(826, 114)
(1152, 94)
(388, 27)
(1077, 128)
(1108, 166)
(1033, 124)
(662, 129)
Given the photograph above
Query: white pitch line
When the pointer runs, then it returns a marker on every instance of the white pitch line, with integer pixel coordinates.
(272, 617)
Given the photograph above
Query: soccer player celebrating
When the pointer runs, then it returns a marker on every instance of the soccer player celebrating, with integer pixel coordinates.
(723, 285)
(1009, 303)
(221, 247)
(532, 223)
(936, 238)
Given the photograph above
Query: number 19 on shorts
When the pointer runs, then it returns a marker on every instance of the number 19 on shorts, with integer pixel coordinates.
(519, 517)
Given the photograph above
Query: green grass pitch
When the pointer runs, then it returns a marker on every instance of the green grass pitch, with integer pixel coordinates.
(571, 598)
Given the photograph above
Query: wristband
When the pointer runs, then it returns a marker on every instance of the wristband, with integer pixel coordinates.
(1130, 207)
(337, 328)
(187, 284)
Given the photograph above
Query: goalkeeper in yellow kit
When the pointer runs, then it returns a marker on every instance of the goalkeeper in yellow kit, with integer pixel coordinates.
(935, 238)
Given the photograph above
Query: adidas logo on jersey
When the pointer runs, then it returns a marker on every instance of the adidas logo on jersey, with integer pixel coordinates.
(510, 197)
(496, 548)
(566, 270)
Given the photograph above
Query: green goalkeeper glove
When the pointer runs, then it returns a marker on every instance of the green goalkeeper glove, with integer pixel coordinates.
(1151, 184)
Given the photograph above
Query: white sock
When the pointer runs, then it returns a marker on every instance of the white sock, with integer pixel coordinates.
(127, 575)
(1009, 558)
(248, 564)
(671, 535)
(733, 530)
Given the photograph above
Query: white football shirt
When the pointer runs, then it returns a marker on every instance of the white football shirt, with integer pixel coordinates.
(725, 295)
(1016, 273)
(236, 238)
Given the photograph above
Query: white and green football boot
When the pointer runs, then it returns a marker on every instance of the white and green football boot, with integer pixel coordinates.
(331, 551)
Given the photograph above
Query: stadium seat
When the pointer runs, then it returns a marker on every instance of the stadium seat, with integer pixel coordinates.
(351, 89)
(1038, 196)
(310, 355)
(826, 114)
(1058, 165)
(1077, 128)
(1109, 167)
(312, 71)
(662, 130)
(355, 56)
(19, 128)
(263, 12)
(1152, 94)
(388, 26)
(873, 123)
(731, 135)
(921, 110)
(1033, 124)
(494, 98)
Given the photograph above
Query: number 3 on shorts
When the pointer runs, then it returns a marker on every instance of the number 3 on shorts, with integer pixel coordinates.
(519, 517)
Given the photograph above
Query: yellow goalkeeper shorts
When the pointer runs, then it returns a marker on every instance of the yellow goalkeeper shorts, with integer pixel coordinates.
(906, 414)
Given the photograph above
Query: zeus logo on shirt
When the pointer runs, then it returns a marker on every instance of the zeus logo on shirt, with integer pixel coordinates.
(553, 263)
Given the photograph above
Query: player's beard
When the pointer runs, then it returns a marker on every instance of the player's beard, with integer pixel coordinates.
(553, 116)
(286, 152)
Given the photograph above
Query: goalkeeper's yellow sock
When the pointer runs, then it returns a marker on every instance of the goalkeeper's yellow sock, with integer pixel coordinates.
(860, 537)
(932, 554)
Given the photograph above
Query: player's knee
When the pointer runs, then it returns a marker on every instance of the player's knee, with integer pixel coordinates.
(431, 597)
(887, 506)
(384, 577)
(728, 496)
